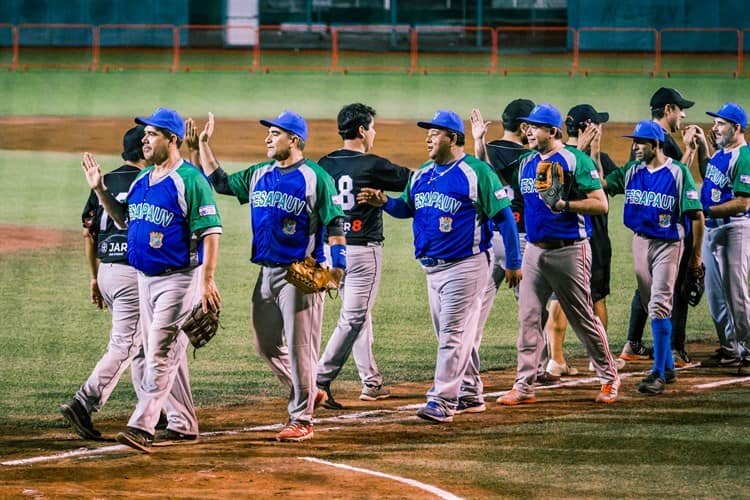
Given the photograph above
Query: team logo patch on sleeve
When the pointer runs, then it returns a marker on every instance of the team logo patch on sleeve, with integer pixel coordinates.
(692, 194)
(207, 210)
(745, 179)
(594, 174)
(501, 193)
(156, 239)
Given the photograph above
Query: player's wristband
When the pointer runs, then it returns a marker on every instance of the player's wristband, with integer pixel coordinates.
(338, 256)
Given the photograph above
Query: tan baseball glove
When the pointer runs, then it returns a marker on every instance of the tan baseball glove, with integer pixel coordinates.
(550, 183)
(310, 277)
(200, 327)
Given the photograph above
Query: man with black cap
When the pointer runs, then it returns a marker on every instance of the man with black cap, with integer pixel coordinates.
(667, 110)
(584, 127)
(558, 257)
(455, 200)
(293, 204)
(725, 196)
(114, 283)
(173, 241)
(661, 199)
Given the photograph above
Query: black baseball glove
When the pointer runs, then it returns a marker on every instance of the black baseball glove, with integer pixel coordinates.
(694, 285)
(200, 327)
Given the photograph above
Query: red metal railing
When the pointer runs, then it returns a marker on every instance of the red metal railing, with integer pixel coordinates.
(387, 48)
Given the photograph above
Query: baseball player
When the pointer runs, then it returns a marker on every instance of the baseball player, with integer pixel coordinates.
(292, 202)
(352, 168)
(173, 241)
(584, 127)
(659, 194)
(558, 258)
(667, 110)
(725, 196)
(454, 200)
(114, 283)
(503, 156)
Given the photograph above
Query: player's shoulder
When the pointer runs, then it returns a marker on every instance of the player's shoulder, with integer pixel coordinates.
(743, 154)
(190, 172)
(476, 164)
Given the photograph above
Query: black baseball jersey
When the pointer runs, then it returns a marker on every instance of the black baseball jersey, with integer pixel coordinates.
(111, 241)
(351, 171)
(503, 156)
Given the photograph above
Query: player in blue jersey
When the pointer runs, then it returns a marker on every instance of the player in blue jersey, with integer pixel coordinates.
(558, 258)
(659, 194)
(173, 242)
(725, 197)
(455, 200)
(114, 283)
(353, 167)
(293, 203)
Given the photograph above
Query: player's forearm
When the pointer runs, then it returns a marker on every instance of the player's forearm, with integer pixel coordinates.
(210, 256)
(735, 206)
(207, 159)
(195, 157)
(396, 207)
(595, 203)
(480, 149)
(117, 211)
(697, 226)
(89, 247)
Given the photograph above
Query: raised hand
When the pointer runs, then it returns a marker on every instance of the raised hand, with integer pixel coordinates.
(191, 135)
(208, 129)
(92, 171)
(478, 125)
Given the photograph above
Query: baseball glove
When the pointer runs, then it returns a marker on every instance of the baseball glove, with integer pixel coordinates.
(201, 326)
(694, 285)
(550, 183)
(310, 277)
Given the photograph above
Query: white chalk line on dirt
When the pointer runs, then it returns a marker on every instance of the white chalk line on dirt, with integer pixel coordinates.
(720, 383)
(372, 416)
(411, 482)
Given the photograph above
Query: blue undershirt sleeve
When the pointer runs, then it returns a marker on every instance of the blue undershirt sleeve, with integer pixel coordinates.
(398, 208)
(506, 226)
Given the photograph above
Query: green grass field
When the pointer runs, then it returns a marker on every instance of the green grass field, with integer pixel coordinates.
(52, 337)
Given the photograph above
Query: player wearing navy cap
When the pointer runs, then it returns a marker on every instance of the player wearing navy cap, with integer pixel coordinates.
(725, 196)
(173, 242)
(659, 194)
(293, 203)
(454, 199)
(558, 258)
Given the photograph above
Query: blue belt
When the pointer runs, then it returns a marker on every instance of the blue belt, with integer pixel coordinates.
(714, 222)
(430, 262)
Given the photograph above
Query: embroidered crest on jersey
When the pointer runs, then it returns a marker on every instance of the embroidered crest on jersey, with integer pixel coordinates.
(289, 226)
(716, 195)
(103, 247)
(207, 210)
(745, 179)
(155, 239)
(446, 224)
(501, 193)
(665, 220)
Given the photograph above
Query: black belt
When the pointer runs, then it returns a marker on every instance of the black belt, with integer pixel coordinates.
(556, 244)
(367, 244)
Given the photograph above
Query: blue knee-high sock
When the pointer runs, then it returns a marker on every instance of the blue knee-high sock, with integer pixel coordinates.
(662, 331)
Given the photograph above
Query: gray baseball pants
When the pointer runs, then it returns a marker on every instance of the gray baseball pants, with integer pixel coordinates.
(565, 271)
(287, 325)
(353, 333)
(726, 255)
(656, 263)
(118, 284)
(166, 302)
(455, 295)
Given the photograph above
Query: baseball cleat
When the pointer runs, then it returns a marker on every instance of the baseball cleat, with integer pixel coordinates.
(330, 403)
(320, 398)
(635, 351)
(514, 397)
(547, 378)
(161, 425)
(374, 393)
(609, 392)
(721, 360)
(295, 432)
(465, 406)
(681, 358)
(558, 369)
(652, 385)
(79, 418)
(171, 438)
(136, 439)
(433, 412)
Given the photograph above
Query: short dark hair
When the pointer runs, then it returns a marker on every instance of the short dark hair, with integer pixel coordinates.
(657, 113)
(460, 138)
(168, 133)
(351, 117)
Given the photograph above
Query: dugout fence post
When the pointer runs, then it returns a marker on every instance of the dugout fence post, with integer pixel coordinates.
(176, 49)
(14, 58)
(334, 50)
(413, 51)
(96, 44)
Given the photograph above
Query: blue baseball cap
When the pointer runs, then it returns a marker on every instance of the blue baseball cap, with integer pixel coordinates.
(647, 130)
(446, 120)
(544, 114)
(165, 118)
(731, 112)
(289, 121)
